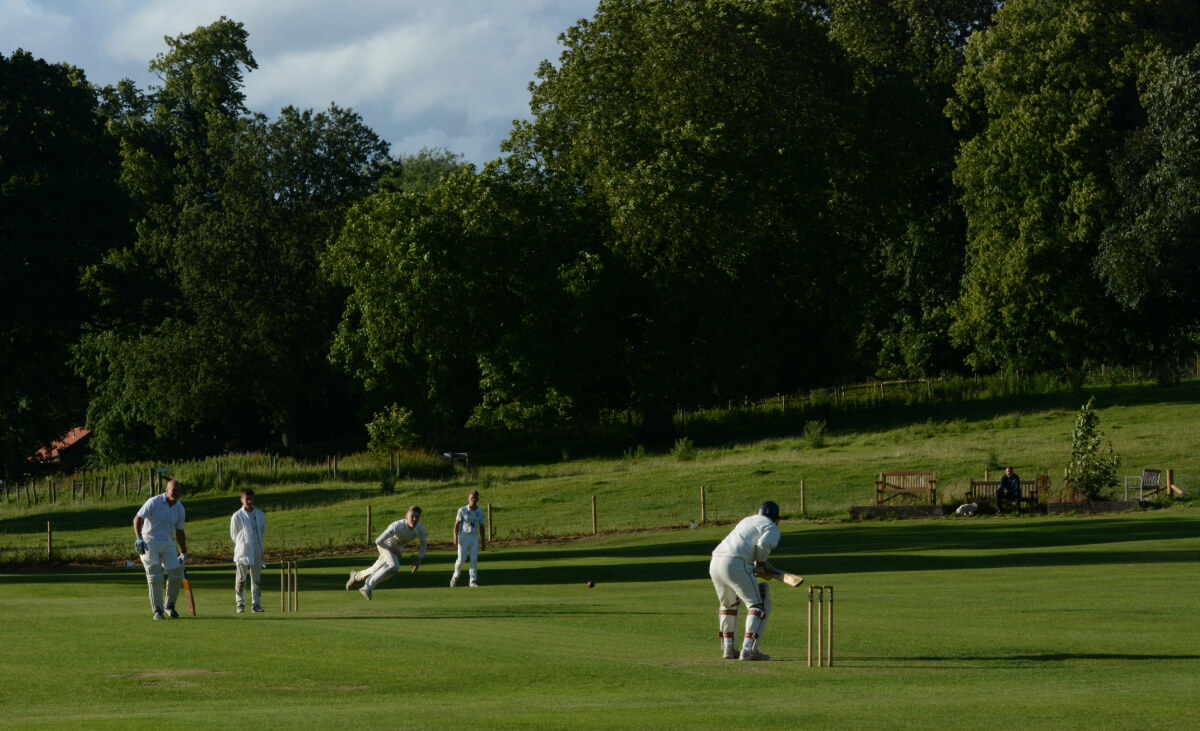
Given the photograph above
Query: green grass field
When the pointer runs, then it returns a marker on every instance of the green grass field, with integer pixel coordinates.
(985, 622)
(999, 622)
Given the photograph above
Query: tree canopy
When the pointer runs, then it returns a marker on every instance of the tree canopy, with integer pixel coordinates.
(61, 209)
(234, 327)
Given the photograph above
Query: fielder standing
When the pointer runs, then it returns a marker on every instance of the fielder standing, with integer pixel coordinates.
(158, 526)
(468, 538)
(248, 529)
(390, 543)
(732, 572)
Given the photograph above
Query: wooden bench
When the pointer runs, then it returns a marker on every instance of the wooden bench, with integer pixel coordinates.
(1150, 483)
(906, 482)
(1031, 490)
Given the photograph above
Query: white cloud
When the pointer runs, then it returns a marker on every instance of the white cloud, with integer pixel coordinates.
(452, 74)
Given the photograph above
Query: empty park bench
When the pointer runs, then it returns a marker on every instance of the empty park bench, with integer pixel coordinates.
(906, 482)
(985, 490)
(1150, 483)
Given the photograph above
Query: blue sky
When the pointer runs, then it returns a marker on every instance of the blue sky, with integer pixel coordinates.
(422, 73)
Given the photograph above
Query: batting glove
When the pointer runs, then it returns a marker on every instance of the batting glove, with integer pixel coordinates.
(182, 559)
(140, 545)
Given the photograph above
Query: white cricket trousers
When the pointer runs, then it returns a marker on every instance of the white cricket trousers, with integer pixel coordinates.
(380, 571)
(468, 547)
(161, 557)
(254, 573)
(735, 583)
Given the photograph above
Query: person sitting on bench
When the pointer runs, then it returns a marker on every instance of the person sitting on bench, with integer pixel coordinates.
(1010, 489)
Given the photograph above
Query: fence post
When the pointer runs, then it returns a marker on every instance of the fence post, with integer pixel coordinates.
(1170, 482)
(803, 507)
(489, 522)
(593, 515)
(703, 507)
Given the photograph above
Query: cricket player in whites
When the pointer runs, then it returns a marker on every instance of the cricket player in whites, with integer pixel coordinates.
(248, 529)
(467, 528)
(732, 572)
(390, 543)
(158, 525)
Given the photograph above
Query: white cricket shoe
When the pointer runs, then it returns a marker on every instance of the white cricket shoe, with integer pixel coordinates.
(754, 655)
(158, 614)
(730, 654)
(473, 584)
(350, 581)
(453, 581)
(365, 591)
(240, 610)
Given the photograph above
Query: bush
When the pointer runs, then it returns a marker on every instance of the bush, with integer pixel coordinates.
(814, 434)
(391, 430)
(993, 462)
(684, 450)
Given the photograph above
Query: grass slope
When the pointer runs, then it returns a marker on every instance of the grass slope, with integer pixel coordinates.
(986, 623)
(1148, 425)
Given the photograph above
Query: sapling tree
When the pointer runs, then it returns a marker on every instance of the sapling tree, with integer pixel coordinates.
(1093, 466)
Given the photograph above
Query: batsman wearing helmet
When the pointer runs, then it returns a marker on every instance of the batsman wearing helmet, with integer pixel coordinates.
(732, 572)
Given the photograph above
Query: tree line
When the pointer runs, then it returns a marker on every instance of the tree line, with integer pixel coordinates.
(710, 200)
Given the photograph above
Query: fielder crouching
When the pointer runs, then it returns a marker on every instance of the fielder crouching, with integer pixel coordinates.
(732, 572)
(154, 524)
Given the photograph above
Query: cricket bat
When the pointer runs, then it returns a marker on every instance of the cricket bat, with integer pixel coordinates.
(187, 589)
(767, 571)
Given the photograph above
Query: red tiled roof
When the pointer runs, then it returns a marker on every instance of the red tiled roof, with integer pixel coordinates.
(54, 451)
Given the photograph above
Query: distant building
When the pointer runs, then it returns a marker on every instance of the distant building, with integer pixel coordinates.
(69, 450)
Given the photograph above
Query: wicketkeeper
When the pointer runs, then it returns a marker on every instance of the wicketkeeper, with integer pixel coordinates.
(154, 523)
(732, 572)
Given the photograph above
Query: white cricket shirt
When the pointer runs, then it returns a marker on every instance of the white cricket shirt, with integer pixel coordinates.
(161, 519)
(751, 540)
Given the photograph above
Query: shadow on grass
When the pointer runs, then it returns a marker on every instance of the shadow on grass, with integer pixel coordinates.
(991, 662)
(843, 550)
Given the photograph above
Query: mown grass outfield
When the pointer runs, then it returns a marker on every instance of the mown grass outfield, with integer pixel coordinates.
(986, 623)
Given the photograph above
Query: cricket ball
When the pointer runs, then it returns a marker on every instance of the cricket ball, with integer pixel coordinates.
(591, 584)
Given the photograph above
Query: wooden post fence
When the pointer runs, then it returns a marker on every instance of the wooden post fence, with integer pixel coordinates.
(703, 507)
(489, 522)
(593, 515)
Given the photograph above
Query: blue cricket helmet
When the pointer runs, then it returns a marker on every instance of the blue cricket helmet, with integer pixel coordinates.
(770, 510)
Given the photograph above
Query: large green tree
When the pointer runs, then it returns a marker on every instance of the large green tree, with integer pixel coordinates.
(235, 327)
(907, 55)
(714, 139)
(473, 300)
(1050, 97)
(60, 209)
(1150, 255)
